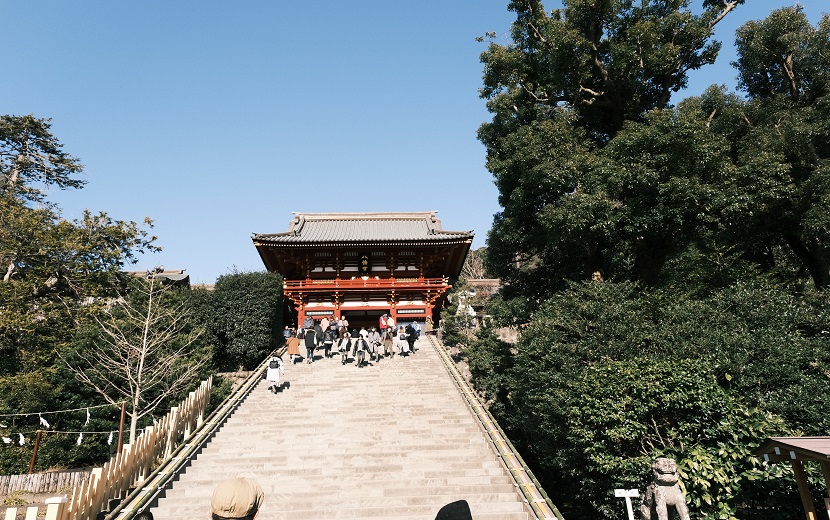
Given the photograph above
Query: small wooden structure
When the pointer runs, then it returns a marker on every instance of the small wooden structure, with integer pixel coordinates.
(365, 264)
(796, 451)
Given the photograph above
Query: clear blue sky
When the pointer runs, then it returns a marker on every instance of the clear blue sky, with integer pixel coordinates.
(218, 119)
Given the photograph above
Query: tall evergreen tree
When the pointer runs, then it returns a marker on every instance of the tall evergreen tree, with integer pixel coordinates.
(564, 87)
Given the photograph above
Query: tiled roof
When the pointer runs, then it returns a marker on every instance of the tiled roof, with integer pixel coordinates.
(363, 227)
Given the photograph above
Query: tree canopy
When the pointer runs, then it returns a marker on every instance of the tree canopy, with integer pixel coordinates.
(243, 318)
(54, 274)
(666, 260)
(563, 88)
(599, 175)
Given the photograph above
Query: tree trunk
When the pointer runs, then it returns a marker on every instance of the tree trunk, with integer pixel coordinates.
(133, 423)
(815, 258)
(650, 257)
(594, 262)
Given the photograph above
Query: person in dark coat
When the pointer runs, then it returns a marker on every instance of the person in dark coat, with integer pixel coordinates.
(310, 343)
(411, 336)
(360, 347)
(343, 345)
(328, 340)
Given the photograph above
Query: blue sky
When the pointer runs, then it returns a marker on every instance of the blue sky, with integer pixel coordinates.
(219, 119)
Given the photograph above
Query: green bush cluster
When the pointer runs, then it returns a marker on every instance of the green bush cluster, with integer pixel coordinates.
(609, 376)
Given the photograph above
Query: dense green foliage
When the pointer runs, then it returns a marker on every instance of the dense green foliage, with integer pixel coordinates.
(243, 318)
(600, 177)
(667, 264)
(608, 377)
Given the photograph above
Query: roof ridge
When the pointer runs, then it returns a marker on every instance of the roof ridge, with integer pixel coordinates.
(419, 215)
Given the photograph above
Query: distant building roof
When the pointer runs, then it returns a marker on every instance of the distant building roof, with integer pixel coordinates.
(173, 276)
(481, 283)
(307, 228)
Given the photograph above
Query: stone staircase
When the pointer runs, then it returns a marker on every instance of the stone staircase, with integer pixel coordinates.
(390, 440)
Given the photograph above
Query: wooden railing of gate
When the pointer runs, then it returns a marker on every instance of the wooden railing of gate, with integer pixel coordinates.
(131, 466)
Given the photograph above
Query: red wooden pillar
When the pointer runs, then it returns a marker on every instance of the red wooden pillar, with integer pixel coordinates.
(300, 315)
(392, 300)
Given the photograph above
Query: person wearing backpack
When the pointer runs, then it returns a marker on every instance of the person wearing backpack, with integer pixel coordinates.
(273, 373)
(388, 344)
(308, 323)
(403, 345)
(411, 337)
(333, 326)
(293, 347)
(328, 341)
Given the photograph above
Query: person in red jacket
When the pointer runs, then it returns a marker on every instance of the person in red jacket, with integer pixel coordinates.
(383, 324)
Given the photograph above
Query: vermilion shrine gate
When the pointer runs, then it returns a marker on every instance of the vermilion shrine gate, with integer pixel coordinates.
(362, 265)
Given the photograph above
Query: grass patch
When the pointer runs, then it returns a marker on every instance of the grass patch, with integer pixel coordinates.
(17, 498)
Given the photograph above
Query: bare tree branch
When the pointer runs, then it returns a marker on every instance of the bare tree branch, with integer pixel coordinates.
(142, 353)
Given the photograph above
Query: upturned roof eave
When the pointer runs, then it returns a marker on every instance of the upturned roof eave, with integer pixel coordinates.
(293, 241)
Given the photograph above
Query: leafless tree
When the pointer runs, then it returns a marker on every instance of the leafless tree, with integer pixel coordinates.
(474, 265)
(143, 352)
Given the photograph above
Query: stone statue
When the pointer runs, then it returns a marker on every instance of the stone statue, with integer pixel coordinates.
(663, 492)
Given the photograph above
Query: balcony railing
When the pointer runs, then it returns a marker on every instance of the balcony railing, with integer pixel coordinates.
(366, 283)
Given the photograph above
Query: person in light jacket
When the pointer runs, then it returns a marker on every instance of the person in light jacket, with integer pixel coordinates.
(403, 345)
(273, 373)
(293, 347)
(374, 344)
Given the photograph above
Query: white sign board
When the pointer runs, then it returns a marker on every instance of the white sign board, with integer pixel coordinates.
(622, 493)
(627, 494)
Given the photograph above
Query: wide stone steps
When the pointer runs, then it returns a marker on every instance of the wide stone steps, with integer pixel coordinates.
(392, 440)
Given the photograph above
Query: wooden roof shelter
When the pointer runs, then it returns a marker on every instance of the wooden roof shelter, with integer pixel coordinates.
(796, 451)
(365, 264)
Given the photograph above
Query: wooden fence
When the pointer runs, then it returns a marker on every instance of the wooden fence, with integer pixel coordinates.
(129, 468)
(51, 482)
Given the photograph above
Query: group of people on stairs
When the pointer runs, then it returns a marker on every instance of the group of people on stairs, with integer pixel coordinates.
(334, 338)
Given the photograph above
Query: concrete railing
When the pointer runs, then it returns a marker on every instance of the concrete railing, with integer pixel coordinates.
(539, 501)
